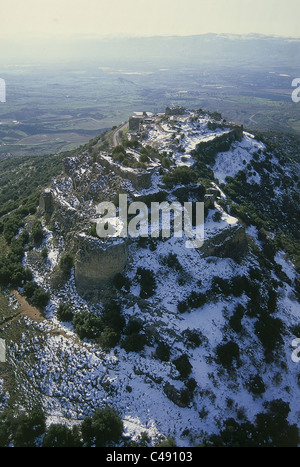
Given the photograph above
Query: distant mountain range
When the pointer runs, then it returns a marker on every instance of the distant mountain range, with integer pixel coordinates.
(223, 49)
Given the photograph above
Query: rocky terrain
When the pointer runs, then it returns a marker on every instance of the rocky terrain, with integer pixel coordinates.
(183, 339)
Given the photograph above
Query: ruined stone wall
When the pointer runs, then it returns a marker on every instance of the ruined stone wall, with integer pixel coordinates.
(46, 202)
(97, 262)
(140, 179)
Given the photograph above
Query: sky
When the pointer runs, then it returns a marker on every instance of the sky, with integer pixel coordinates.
(148, 17)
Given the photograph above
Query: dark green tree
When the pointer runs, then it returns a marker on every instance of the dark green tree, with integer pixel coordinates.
(103, 428)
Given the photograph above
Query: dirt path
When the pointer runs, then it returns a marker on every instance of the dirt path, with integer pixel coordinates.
(27, 309)
(252, 118)
(35, 314)
(116, 139)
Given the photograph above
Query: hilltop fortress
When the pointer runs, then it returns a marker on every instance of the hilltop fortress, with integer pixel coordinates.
(153, 146)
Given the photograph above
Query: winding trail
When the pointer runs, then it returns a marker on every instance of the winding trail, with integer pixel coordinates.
(116, 138)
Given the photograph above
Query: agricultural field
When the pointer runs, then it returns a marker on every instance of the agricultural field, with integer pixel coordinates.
(59, 108)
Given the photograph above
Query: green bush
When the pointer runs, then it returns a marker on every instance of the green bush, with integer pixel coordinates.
(64, 312)
(147, 282)
(121, 282)
(196, 299)
(134, 342)
(269, 429)
(40, 298)
(227, 353)
(37, 232)
(256, 385)
(44, 253)
(162, 352)
(109, 338)
(236, 319)
(103, 428)
(87, 325)
(37, 296)
(25, 428)
(66, 263)
(269, 331)
(182, 306)
(112, 317)
(180, 176)
(60, 436)
(183, 365)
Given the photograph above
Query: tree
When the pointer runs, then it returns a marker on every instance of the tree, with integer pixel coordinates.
(64, 312)
(40, 298)
(183, 365)
(87, 325)
(103, 428)
(227, 353)
(269, 330)
(134, 342)
(256, 385)
(37, 231)
(66, 263)
(147, 282)
(27, 427)
(162, 352)
(62, 436)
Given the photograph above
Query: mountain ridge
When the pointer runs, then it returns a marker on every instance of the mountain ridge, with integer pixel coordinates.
(195, 341)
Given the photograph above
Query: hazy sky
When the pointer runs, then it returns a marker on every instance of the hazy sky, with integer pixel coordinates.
(150, 17)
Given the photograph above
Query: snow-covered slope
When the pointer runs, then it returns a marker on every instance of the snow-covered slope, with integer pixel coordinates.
(73, 377)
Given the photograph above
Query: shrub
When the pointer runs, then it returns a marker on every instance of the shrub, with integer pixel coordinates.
(120, 281)
(36, 294)
(196, 299)
(37, 232)
(227, 353)
(64, 312)
(162, 352)
(61, 436)
(183, 365)
(193, 338)
(109, 338)
(66, 263)
(217, 216)
(133, 326)
(180, 176)
(256, 385)
(147, 282)
(87, 325)
(29, 289)
(191, 384)
(103, 428)
(134, 342)
(25, 428)
(220, 286)
(44, 253)
(172, 261)
(236, 319)
(40, 298)
(269, 330)
(182, 306)
(112, 317)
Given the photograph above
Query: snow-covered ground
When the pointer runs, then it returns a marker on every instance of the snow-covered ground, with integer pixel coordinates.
(74, 377)
(229, 163)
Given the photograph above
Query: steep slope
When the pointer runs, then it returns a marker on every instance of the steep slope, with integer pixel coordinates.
(183, 338)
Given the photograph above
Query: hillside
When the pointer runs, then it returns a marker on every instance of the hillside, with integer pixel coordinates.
(193, 344)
